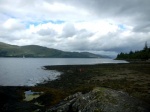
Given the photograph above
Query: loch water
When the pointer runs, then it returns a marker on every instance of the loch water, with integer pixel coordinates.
(29, 71)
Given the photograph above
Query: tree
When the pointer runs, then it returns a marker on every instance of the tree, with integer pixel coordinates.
(142, 55)
(145, 47)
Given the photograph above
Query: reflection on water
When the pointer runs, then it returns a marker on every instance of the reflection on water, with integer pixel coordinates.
(28, 71)
(30, 95)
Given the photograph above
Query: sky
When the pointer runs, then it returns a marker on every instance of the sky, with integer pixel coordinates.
(105, 27)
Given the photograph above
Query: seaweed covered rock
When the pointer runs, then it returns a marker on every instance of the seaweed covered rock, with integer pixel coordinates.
(101, 100)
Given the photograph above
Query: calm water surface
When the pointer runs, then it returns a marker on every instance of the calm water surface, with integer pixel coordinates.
(28, 71)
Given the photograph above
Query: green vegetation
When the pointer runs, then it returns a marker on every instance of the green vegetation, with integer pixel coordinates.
(138, 55)
(132, 78)
(7, 50)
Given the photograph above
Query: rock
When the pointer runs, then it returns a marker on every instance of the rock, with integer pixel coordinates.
(100, 100)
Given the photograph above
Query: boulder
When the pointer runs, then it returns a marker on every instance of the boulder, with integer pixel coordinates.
(100, 100)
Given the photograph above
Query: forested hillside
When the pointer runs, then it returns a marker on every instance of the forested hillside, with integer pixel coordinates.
(7, 50)
(139, 55)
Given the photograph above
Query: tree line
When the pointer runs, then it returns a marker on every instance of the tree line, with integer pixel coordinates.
(143, 54)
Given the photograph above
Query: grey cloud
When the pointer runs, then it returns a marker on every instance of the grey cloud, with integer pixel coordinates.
(125, 44)
(112, 42)
(131, 12)
(77, 44)
(114, 7)
(83, 33)
(142, 28)
(12, 25)
(8, 38)
(47, 32)
(16, 27)
(69, 30)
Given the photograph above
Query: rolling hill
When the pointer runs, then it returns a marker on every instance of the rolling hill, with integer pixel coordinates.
(7, 50)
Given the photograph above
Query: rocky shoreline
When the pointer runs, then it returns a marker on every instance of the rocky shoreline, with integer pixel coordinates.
(100, 100)
(131, 78)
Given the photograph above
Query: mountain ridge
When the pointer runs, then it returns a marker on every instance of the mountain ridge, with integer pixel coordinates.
(7, 50)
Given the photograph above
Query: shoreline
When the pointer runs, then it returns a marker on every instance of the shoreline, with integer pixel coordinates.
(132, 78)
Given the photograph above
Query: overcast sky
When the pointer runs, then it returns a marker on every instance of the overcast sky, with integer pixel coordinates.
(99, 26)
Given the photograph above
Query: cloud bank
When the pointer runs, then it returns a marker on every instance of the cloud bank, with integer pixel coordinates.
(99, 26)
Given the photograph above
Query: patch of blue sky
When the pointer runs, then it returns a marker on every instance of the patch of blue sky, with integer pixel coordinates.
(44, 22)
(57, 22)
(122, 27)
(8, 15)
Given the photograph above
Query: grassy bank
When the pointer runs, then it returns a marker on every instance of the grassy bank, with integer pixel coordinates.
(133, 78)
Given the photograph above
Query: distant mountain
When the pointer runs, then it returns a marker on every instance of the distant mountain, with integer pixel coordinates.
(7, 50)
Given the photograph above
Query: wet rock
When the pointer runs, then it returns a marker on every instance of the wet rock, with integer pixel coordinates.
(101, 100)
